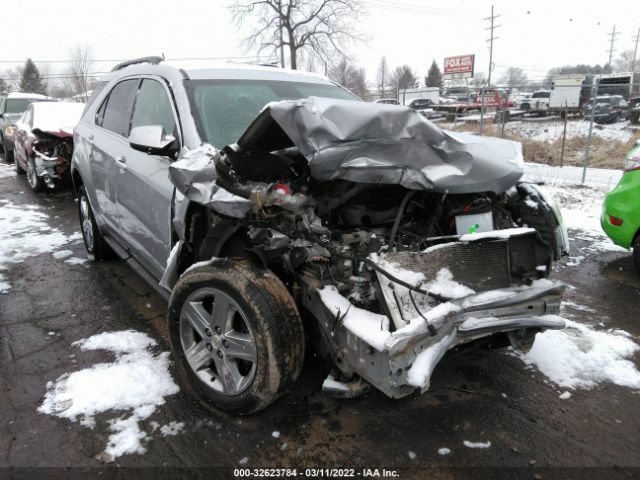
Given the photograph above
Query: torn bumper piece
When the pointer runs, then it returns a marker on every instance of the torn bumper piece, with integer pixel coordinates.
(400, 362)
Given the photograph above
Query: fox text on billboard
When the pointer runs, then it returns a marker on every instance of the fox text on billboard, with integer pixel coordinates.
(459, 66)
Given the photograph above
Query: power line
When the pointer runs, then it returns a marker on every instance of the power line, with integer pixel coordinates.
(246, 57)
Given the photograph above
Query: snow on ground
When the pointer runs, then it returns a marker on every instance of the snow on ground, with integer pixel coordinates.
(581, 207)
(7, 170)
(550, 131)
(76, 261)
(582, 357)
(60, 254)
(130, 388)
(469, 444)
(25, 232)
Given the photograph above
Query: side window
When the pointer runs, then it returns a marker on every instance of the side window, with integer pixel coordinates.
(153, 107)
(115, 113)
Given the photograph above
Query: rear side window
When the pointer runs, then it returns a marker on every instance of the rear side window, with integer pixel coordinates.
(115, 113)
(153, 107)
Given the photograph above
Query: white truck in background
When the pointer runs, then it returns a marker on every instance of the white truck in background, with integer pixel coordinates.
(405, 97)
(567, 95)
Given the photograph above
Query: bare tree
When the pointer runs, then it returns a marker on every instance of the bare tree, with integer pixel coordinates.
(403, 77)
(12, 78)
(349, 76)
(321, 28)
(514, 77)
(624, 62)
(479, 79)
(80, 66)
(383, 76)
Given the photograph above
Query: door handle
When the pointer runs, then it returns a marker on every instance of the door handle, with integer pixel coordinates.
(122, 162)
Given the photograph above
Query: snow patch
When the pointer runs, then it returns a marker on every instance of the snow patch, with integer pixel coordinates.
(76, 261)
(172, 429)
(469, 444)
(137, 382)
(506, 233)
(444, 284)
(444, 451)
(565, 395)
(371, 327)
(61, 254)
(24, 233)
(579, 357)
(7, 170)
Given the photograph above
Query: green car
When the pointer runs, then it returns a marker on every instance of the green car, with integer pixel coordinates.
(621, 210)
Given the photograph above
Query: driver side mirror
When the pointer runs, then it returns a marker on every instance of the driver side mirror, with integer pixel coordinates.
(152, 140)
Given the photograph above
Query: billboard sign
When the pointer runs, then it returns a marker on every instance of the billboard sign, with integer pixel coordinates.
(460, 66)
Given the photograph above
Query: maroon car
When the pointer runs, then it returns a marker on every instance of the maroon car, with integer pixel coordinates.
(43, 142)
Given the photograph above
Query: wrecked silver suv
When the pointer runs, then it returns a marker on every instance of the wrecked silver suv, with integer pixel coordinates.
(393, 240)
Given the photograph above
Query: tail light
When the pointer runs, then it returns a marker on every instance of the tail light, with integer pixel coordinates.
(615, 221)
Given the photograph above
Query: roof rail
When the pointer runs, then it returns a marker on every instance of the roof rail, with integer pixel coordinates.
(153, 60)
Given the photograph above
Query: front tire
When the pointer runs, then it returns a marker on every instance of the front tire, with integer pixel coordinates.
(35, 182)
(236, 335)
(97, 248)
(8, 153)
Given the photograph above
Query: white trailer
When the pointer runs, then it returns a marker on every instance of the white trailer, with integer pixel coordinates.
(566, 95)
(405, 97)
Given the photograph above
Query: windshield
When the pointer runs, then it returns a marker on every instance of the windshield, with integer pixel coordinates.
(223, 109)
(18, 105)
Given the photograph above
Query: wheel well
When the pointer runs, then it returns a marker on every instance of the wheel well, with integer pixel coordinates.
(76, 182)
(208, 235)
(635, 237)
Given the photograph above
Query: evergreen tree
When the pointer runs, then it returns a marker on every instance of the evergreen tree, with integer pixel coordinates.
(31, 81)
(434, 77)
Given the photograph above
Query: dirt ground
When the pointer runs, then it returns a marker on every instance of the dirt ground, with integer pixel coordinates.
(475, 395)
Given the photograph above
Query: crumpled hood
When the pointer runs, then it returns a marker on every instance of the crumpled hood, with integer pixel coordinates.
(385, 144)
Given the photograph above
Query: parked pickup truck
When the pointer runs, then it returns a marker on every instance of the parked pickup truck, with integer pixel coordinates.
(492, 99)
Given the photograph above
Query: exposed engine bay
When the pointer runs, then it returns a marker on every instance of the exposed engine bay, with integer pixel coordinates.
(52, 156)
(399, 245)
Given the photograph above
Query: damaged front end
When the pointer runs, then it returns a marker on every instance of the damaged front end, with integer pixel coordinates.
(51, 153)
(399, 240)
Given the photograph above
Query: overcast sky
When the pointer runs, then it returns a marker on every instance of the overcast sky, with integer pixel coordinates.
(534, 35)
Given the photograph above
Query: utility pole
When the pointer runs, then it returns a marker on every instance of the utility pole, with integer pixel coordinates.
(633, 62)
(492, 26)
(613, 36)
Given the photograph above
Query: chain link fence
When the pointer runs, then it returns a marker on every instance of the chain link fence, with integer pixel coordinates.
(582, 144)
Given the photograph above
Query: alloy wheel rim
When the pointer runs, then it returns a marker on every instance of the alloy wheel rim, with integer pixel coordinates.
(87, 226)
(31, 174)
(217, 341)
